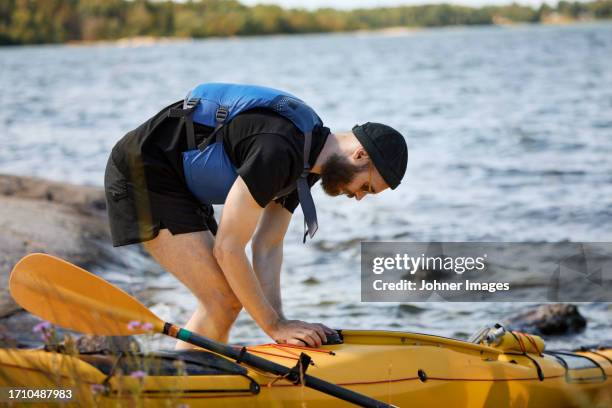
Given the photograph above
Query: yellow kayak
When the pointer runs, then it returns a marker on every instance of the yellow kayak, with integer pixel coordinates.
(403, 369)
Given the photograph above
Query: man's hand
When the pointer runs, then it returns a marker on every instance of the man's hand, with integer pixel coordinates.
(299, 333)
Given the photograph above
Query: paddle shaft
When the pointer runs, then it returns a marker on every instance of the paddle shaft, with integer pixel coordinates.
(269, 366)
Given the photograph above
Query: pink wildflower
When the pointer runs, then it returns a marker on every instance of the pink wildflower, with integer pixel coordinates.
(96, 388)
(133, 325)
(42, 327)
(45, 329)
(138, 374)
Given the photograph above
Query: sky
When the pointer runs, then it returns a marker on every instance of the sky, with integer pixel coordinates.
(350, 4)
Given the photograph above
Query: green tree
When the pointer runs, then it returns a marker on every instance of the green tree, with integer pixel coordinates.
(164, 18)
(543, 11)
(601, 9)
(102, 19)
(37, 21)
(139, 19)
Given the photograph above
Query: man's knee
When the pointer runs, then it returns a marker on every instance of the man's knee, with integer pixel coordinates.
(232, 313)
(222, 312)
(234, 308)
(227, 304)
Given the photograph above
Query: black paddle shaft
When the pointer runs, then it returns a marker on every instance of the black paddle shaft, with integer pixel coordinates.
(242, 356)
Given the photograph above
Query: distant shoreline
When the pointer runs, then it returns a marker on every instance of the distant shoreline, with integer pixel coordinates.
(135, 41)
(139, 23)
(144, 41)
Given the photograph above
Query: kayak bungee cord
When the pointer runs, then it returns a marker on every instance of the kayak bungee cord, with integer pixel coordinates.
(284, 348)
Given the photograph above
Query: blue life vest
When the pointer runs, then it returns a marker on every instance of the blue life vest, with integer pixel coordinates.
(209, 173)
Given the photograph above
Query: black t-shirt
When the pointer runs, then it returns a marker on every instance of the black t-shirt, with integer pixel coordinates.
(267, 150)
(265, 147)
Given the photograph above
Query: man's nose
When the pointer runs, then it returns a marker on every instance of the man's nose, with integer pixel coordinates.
(359, 195)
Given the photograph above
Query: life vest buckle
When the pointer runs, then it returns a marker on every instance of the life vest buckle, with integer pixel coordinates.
(186, 111)
(221, 114)
(192, 103)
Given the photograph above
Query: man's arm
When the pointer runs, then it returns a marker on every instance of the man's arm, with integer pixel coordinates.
(241, 214)
(267, 246)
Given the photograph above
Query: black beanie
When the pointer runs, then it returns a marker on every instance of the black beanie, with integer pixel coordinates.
(387, 148)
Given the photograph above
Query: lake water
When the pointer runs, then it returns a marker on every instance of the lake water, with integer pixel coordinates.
(509, 131)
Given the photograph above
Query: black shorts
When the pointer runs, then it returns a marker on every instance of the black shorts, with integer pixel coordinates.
(145, 192)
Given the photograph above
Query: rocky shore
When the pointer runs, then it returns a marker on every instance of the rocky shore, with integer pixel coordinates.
(61, 219)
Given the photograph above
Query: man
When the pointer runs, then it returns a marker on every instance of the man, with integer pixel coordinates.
(156, 195)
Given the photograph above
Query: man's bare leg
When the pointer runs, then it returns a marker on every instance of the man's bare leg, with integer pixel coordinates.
(189, 258)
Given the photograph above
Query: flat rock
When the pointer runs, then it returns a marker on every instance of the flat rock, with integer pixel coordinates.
(60, 219)
(42, 216)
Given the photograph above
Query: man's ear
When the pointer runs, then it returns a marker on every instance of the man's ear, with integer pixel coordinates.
(360, 154)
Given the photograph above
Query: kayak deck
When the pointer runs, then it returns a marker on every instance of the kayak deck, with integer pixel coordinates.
(404, 369)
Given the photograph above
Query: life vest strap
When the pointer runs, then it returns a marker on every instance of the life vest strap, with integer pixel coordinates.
(220, 116)
(311, 224)
(186, 115)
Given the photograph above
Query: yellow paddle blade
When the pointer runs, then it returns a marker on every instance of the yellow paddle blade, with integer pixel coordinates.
(71, 297)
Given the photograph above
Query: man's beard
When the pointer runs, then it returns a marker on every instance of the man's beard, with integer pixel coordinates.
(336, 173)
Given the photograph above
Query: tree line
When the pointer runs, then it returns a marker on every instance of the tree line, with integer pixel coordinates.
(59, 21)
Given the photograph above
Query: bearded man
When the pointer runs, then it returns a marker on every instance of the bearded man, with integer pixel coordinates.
(257, 151)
